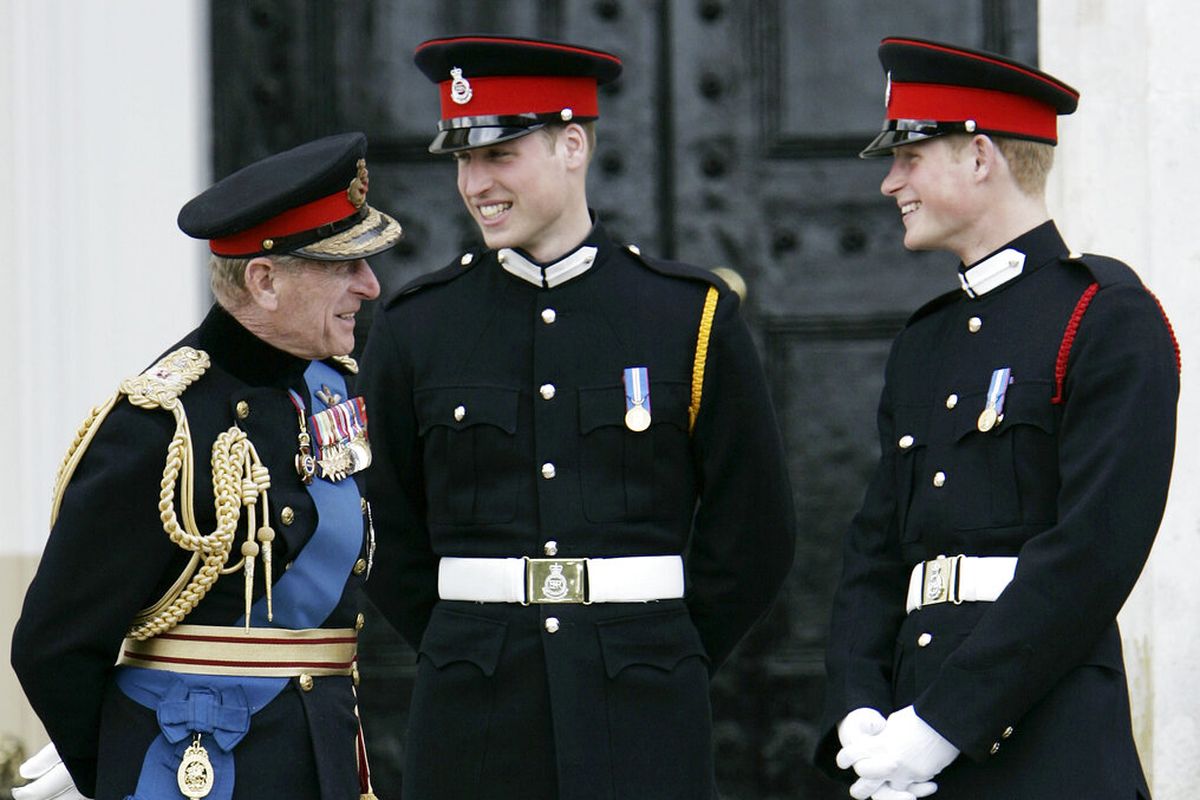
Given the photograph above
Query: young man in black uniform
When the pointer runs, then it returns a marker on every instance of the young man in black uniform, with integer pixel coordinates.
(580, 495)
(1027, 427)
(210, 538)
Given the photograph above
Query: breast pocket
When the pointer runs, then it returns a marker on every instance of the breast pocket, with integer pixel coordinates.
(471, 458)
(911, 445)
(629, 474)
(1011, 469)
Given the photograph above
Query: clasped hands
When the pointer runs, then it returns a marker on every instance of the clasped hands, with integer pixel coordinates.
(896, 758)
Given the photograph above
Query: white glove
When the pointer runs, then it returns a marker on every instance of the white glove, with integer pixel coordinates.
(48, 778)
(889, 790)
(859, 724)
(907, 751)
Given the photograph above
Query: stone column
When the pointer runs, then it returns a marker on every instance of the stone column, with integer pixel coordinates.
(103, 136)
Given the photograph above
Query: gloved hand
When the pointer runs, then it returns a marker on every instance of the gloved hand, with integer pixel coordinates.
(889, 791)
(908, 751)
(859, 724)
(48, 778)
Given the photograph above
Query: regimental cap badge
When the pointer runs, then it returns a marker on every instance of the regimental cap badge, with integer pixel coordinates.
(359, 184)
(460, 87)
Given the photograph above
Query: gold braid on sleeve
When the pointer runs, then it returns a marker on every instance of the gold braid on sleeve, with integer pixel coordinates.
(706, 320)
(239, 479)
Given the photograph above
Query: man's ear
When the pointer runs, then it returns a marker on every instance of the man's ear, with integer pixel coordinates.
(984, 154)
(574, 141)
(261, 277)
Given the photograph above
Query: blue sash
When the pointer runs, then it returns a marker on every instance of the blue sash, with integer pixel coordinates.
(304, 596)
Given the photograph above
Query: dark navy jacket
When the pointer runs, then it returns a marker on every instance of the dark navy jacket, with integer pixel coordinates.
(1031, 687)
(108, 557)
(614, 704)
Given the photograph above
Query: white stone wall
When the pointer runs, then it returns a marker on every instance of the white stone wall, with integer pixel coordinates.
(103, 136)
(1125, 185)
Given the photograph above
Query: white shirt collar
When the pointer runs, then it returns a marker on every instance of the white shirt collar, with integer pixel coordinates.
(992, 272)
(561, 271)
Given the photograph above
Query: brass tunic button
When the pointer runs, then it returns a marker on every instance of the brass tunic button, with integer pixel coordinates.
(286, 515)
(551, 624)
(995, 748)
(549, 315)
(550, 548)
(360, 566)
(924, 639)
(633, 248)
(547, 391)
(306, 681)
(459, 413)
(906, 441)
(939, 479)
(466, 259)
(974, 324)
(1007, 732)
(359, 621)
(548, 471)
(243, 409)
(952, 401)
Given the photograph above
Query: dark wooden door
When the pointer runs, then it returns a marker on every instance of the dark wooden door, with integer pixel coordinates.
(729, 141)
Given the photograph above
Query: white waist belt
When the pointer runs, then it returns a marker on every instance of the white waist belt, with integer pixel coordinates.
(626, 579)
(959, 579)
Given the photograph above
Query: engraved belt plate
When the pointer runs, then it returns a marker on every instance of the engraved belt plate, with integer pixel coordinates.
(555, 580)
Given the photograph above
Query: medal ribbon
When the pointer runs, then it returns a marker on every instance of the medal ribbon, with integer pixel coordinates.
(998, 388)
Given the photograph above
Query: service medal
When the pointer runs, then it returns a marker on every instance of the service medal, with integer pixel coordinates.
(993, 411)
(637, 398)
(341, 436)
(195, 774)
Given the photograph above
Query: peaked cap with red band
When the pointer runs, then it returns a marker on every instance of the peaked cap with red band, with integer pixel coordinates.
(310, 201)
(496, 88)
(936, 88)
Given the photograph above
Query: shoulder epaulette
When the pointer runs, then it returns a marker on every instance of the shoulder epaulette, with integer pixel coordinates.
(460, 266)
(346, 364)
(677, 269)
(941, 301)
(1106, 271)
(161, 385)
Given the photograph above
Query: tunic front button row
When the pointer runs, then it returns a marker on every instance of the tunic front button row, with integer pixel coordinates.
(551, 624)
(952, 401)
(550, 548)
(939, 479)
(974, 324)
(548, 470)
(548, 315)
(547, 391)
(924, 639)
(906, 441)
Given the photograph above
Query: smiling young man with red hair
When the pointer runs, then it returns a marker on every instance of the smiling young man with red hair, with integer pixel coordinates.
(1027, 428)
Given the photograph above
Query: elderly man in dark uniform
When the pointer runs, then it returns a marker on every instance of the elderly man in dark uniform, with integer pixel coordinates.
(191, 627)
(579, 485)
(1027, 427)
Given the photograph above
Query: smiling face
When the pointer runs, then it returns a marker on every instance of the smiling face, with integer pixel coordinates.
(528, 192)
(934, 184)
(316, 302)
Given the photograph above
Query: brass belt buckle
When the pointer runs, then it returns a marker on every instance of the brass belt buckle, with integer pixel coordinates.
(940, 581)
(555, 580)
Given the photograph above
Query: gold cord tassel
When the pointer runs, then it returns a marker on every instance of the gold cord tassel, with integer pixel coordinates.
(266, 534)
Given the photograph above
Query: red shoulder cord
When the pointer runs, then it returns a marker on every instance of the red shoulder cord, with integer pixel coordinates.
(1064, 349)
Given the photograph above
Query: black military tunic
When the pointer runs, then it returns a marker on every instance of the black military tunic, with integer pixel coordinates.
(1072, 481)
(497, 412)
(108, 557)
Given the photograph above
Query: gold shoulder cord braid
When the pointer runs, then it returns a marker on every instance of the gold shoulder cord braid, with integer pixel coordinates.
(706, 319)
(239, 478)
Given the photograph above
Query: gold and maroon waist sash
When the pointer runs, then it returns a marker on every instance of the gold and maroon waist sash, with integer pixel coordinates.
(257, 652)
